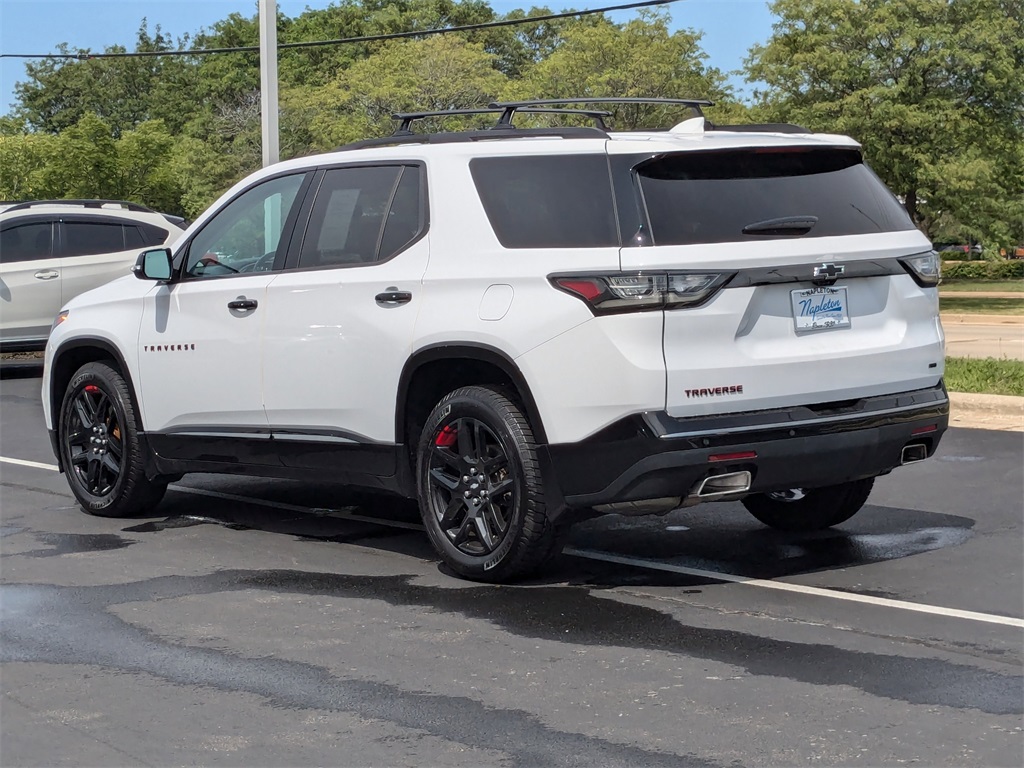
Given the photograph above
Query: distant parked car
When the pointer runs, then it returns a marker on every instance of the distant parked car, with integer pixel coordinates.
(53, 250)
(960, 251)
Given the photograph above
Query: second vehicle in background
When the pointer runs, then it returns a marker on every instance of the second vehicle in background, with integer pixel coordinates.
(53, 250)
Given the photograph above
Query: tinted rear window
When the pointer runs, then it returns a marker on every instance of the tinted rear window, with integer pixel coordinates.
(547, 201)
(710, 197)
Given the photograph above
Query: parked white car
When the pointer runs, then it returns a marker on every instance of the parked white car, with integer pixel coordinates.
(520, 327)
(53, 250)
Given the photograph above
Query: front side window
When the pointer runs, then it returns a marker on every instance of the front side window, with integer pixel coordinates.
(547, 201)
(244, 235)
(347, 221)
(25, 242)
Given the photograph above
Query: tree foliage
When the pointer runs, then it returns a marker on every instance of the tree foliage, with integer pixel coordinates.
(933, 89)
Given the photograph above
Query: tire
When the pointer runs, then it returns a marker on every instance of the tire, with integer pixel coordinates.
(98, 435)
(480, 488)
(810, 510)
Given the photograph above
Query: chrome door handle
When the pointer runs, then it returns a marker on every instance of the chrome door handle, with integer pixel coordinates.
(47, 274)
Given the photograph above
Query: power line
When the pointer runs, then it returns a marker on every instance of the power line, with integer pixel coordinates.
(362, 39)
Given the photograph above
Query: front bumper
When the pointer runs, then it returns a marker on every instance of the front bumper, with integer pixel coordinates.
(653, 455)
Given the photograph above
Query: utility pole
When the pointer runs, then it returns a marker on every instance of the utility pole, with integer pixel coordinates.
(268, 81)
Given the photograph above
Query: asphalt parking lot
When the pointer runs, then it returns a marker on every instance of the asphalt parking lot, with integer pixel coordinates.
(256, 622)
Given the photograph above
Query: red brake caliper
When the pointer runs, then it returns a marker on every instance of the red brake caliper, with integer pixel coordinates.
(446, 437)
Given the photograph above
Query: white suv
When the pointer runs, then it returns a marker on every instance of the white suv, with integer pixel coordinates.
(53, 250)
(520, 327)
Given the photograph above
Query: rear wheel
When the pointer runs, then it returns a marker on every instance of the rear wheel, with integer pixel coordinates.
(811, 509)
(480, 487)
(99, 444)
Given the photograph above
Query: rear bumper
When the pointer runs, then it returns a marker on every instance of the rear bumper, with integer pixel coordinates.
(653, 455)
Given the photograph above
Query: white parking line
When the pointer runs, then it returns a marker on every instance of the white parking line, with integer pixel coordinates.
(609, 557)
(784, 586)
(33, 464)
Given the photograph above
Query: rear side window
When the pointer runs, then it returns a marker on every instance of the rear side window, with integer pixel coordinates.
(348, 216)
(547, 201)
(83, 238)
(713, 197)
(26, 242)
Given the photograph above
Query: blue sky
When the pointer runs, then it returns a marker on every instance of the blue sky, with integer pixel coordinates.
(730, 27)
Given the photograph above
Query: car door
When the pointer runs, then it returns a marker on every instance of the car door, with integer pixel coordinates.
(92, 252)
(340, 323)
(29, 280)
(200, 342)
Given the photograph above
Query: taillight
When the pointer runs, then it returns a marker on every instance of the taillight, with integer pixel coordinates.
(925, 268)
(639, 292)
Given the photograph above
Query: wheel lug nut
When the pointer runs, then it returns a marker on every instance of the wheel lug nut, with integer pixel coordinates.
(467, 494)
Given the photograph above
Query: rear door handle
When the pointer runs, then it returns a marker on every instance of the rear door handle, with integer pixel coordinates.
(243, 304)
(392, 297)
(47, 274)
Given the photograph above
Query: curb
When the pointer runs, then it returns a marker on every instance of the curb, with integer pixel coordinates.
(952, 319)
(999, 412)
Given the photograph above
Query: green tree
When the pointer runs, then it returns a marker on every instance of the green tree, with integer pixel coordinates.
(638, 58)
(432, 74)
(58, 92)
(933, 89)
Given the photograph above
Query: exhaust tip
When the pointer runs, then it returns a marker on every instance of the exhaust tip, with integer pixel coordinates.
(913, 453)
(723, 485)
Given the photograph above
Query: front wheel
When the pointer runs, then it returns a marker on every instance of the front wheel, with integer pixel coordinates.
(99, 444)
(480, 487)
(812, 509)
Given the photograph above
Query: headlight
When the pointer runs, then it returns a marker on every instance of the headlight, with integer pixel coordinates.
(925, 268)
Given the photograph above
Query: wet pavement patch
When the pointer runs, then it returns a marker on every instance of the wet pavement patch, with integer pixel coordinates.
(46, 624)
(756, 552)
(71, 626)
(76, 543)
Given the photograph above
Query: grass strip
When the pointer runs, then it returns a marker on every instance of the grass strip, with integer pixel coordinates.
(987, 376)
(975, 305)
(971, 286)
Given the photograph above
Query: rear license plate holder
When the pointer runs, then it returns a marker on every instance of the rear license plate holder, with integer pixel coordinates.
(820, 309)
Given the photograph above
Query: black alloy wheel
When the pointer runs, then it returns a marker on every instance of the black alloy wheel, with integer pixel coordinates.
(480, 487)
(94, 440)
(473, 491)
(98, 434)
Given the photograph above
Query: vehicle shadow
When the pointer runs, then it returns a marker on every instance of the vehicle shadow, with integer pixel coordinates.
(726, 540)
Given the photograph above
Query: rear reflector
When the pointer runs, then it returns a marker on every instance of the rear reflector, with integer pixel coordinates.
(733, 456)
(925, 430)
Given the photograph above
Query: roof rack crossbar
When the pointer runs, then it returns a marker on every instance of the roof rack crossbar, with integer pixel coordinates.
(511, 107)
(84, 203)
(485, 134)
(407, 118)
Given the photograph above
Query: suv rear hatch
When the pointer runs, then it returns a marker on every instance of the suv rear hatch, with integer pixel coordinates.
(818, 303)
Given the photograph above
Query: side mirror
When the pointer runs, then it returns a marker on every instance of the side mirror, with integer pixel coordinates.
(154, 264)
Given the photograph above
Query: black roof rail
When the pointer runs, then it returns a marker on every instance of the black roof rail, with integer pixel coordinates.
(511, 107)
(485, 134)
(758, 127)
(407, 118)
(86, 203)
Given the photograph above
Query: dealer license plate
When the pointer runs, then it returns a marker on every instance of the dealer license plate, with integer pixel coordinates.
(820, 308)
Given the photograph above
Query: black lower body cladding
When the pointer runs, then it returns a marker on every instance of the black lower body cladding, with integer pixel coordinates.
(654, 455)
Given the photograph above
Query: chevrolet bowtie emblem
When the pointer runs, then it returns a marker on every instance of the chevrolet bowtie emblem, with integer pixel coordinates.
(827, 273)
